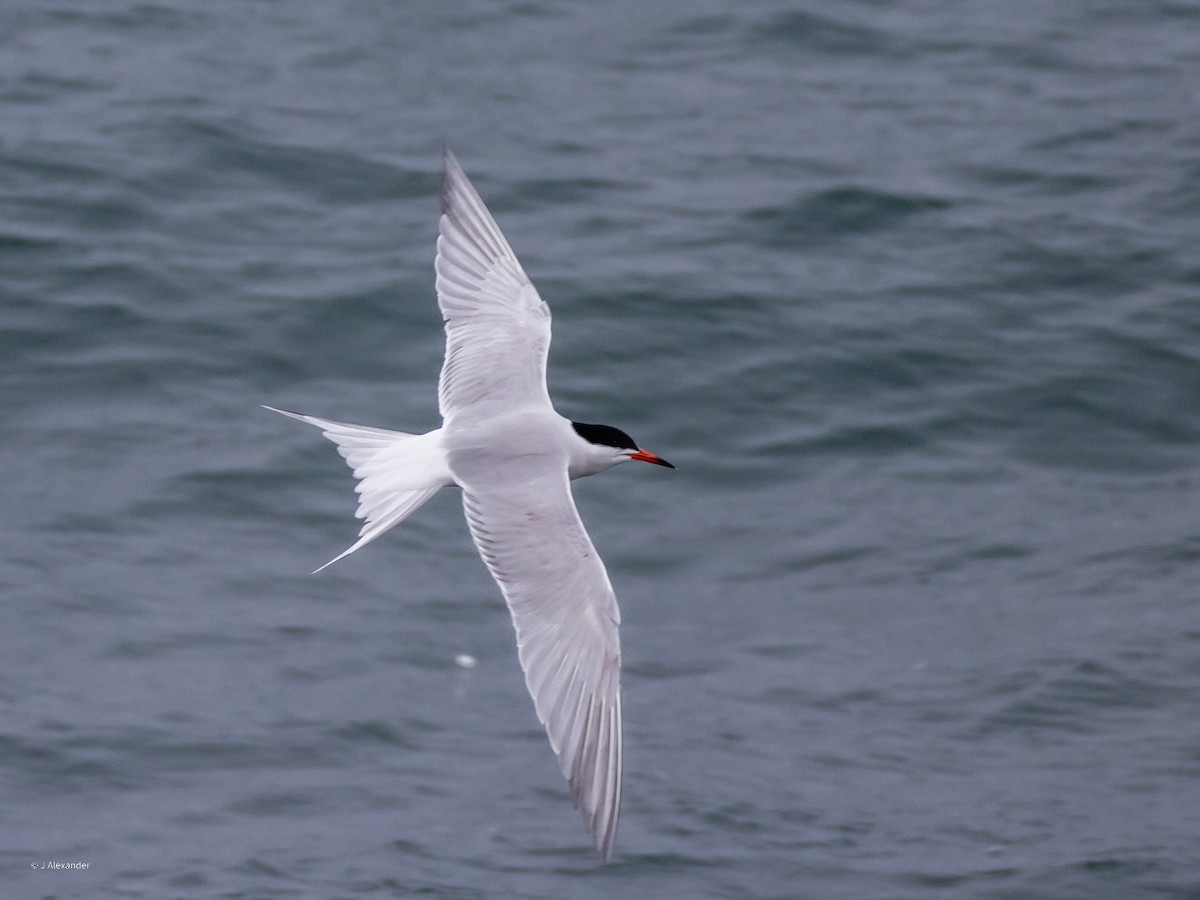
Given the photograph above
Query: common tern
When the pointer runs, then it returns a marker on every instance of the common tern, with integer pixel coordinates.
(513, 456)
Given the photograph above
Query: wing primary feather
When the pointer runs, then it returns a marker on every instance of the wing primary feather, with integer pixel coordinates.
(462, 203)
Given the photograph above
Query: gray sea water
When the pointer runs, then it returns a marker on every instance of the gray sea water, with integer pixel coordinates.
(907, 289)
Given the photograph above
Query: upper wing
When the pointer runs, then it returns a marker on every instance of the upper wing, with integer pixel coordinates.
(529, 533)
(497, 327)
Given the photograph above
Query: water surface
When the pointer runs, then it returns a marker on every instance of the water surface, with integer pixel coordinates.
(907, 290)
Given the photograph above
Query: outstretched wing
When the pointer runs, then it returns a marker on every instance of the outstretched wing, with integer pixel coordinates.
(529, 533)
(497, 327)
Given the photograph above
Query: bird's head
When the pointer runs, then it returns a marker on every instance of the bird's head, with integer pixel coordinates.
(608, 446)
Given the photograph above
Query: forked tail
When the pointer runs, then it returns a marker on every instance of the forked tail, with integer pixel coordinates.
(397, 472)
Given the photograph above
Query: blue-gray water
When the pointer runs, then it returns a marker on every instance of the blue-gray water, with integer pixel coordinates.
(909, 291)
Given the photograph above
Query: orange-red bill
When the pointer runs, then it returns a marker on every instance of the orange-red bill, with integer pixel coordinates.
(647, 456)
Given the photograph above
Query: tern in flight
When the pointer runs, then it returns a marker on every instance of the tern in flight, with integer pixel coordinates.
(513, 456)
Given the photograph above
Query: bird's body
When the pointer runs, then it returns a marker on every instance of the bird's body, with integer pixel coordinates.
(513, 456)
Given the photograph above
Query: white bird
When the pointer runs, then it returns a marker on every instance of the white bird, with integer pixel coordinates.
(512, 455)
